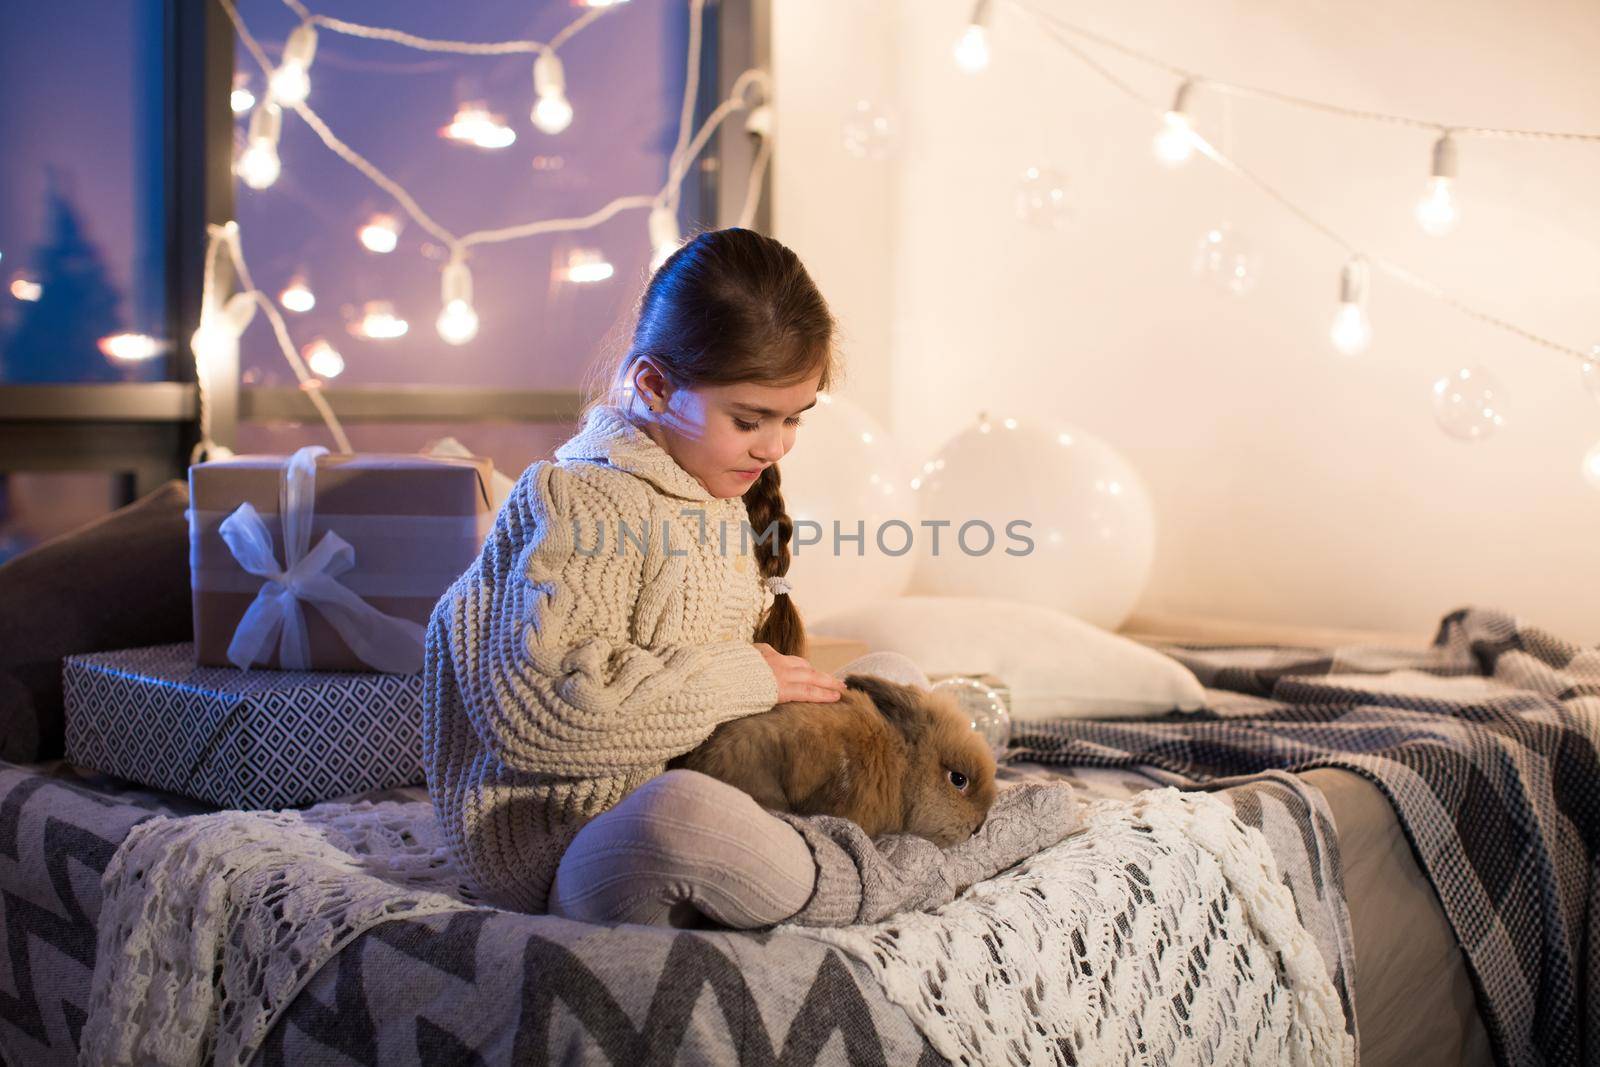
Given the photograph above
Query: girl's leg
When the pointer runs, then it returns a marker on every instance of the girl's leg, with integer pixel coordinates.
(682, 848)
(687, 850)
(891, 665)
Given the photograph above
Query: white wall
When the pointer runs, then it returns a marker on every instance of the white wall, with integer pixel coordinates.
(1292, 485)
(837, 212)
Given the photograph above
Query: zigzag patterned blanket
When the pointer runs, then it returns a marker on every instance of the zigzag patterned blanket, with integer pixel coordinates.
(1488, 746)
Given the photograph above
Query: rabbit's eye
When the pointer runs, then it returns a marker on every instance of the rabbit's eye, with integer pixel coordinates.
(958, 780)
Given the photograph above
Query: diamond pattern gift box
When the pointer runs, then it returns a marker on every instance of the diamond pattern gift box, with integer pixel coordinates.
(241, 739)
(329, 561)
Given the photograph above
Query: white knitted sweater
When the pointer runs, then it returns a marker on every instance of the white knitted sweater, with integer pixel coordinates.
(559, 678)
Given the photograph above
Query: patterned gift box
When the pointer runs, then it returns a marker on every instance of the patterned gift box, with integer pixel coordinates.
(241, 739)
(377, 539)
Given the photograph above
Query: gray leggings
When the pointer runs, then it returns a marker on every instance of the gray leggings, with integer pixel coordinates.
(687, 850)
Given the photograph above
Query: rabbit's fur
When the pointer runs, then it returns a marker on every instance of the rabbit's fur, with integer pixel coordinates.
(884, 755)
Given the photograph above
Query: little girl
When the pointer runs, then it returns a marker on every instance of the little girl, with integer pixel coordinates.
(630, 599)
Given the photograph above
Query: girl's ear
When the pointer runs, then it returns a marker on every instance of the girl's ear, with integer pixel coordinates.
(650, 383)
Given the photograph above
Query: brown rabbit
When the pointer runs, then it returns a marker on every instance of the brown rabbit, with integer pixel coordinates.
(889, 757)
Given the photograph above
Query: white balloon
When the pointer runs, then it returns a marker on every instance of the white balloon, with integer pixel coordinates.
(1072, 523)
(845, 469)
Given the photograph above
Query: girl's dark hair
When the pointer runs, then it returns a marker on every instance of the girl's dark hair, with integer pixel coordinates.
(733, 306)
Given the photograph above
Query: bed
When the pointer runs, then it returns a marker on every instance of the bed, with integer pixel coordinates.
(1517, 709)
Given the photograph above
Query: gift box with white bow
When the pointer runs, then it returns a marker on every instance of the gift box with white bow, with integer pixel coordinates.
(331, 562)
(241, 739)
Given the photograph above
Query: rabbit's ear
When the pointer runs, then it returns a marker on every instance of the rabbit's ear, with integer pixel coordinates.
(903, 706)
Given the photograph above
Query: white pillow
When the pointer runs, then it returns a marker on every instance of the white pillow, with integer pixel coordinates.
(1056, 666)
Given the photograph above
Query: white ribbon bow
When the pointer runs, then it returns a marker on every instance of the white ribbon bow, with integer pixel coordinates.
(276, 617)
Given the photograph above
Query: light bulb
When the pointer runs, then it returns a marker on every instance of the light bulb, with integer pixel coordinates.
(1590, 370)
(297, 296)
(972, 48)
(474, 125)
(587, 265)
(258, 165)
(291, 82)
(458, 322)
(378, 322)
(1591, 466)
(208, 342)
(664, 236)
(241, 99)
(551, 113)
(221, 328)
(131, 347)
(1436, 211)
(323, 359)
(26, 289)
(1352, 331)
(380, 234)
(1174, 142)
(759, 121)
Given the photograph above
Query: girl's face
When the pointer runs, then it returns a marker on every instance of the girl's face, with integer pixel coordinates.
(723, 435)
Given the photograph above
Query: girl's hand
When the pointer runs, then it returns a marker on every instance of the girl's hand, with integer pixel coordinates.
(798, 680)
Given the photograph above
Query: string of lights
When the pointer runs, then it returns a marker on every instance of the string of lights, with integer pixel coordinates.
(259, 166)
(1176, 141)
(1236, 89)
(222, 324)
(1469, 403)
(466, 48)
(1178, 138)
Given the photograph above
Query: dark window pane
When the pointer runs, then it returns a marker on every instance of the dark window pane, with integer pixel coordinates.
(82, 226)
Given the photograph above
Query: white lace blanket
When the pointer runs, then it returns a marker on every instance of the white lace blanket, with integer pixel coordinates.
(212, 924)
(1159, 934)
(1163, 918)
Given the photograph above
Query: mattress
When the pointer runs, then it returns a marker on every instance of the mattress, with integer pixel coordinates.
(1414, 999)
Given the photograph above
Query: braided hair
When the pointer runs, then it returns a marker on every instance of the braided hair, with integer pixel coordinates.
(730, 306)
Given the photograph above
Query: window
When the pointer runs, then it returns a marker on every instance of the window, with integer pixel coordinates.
(82, 209)
(117, 153)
